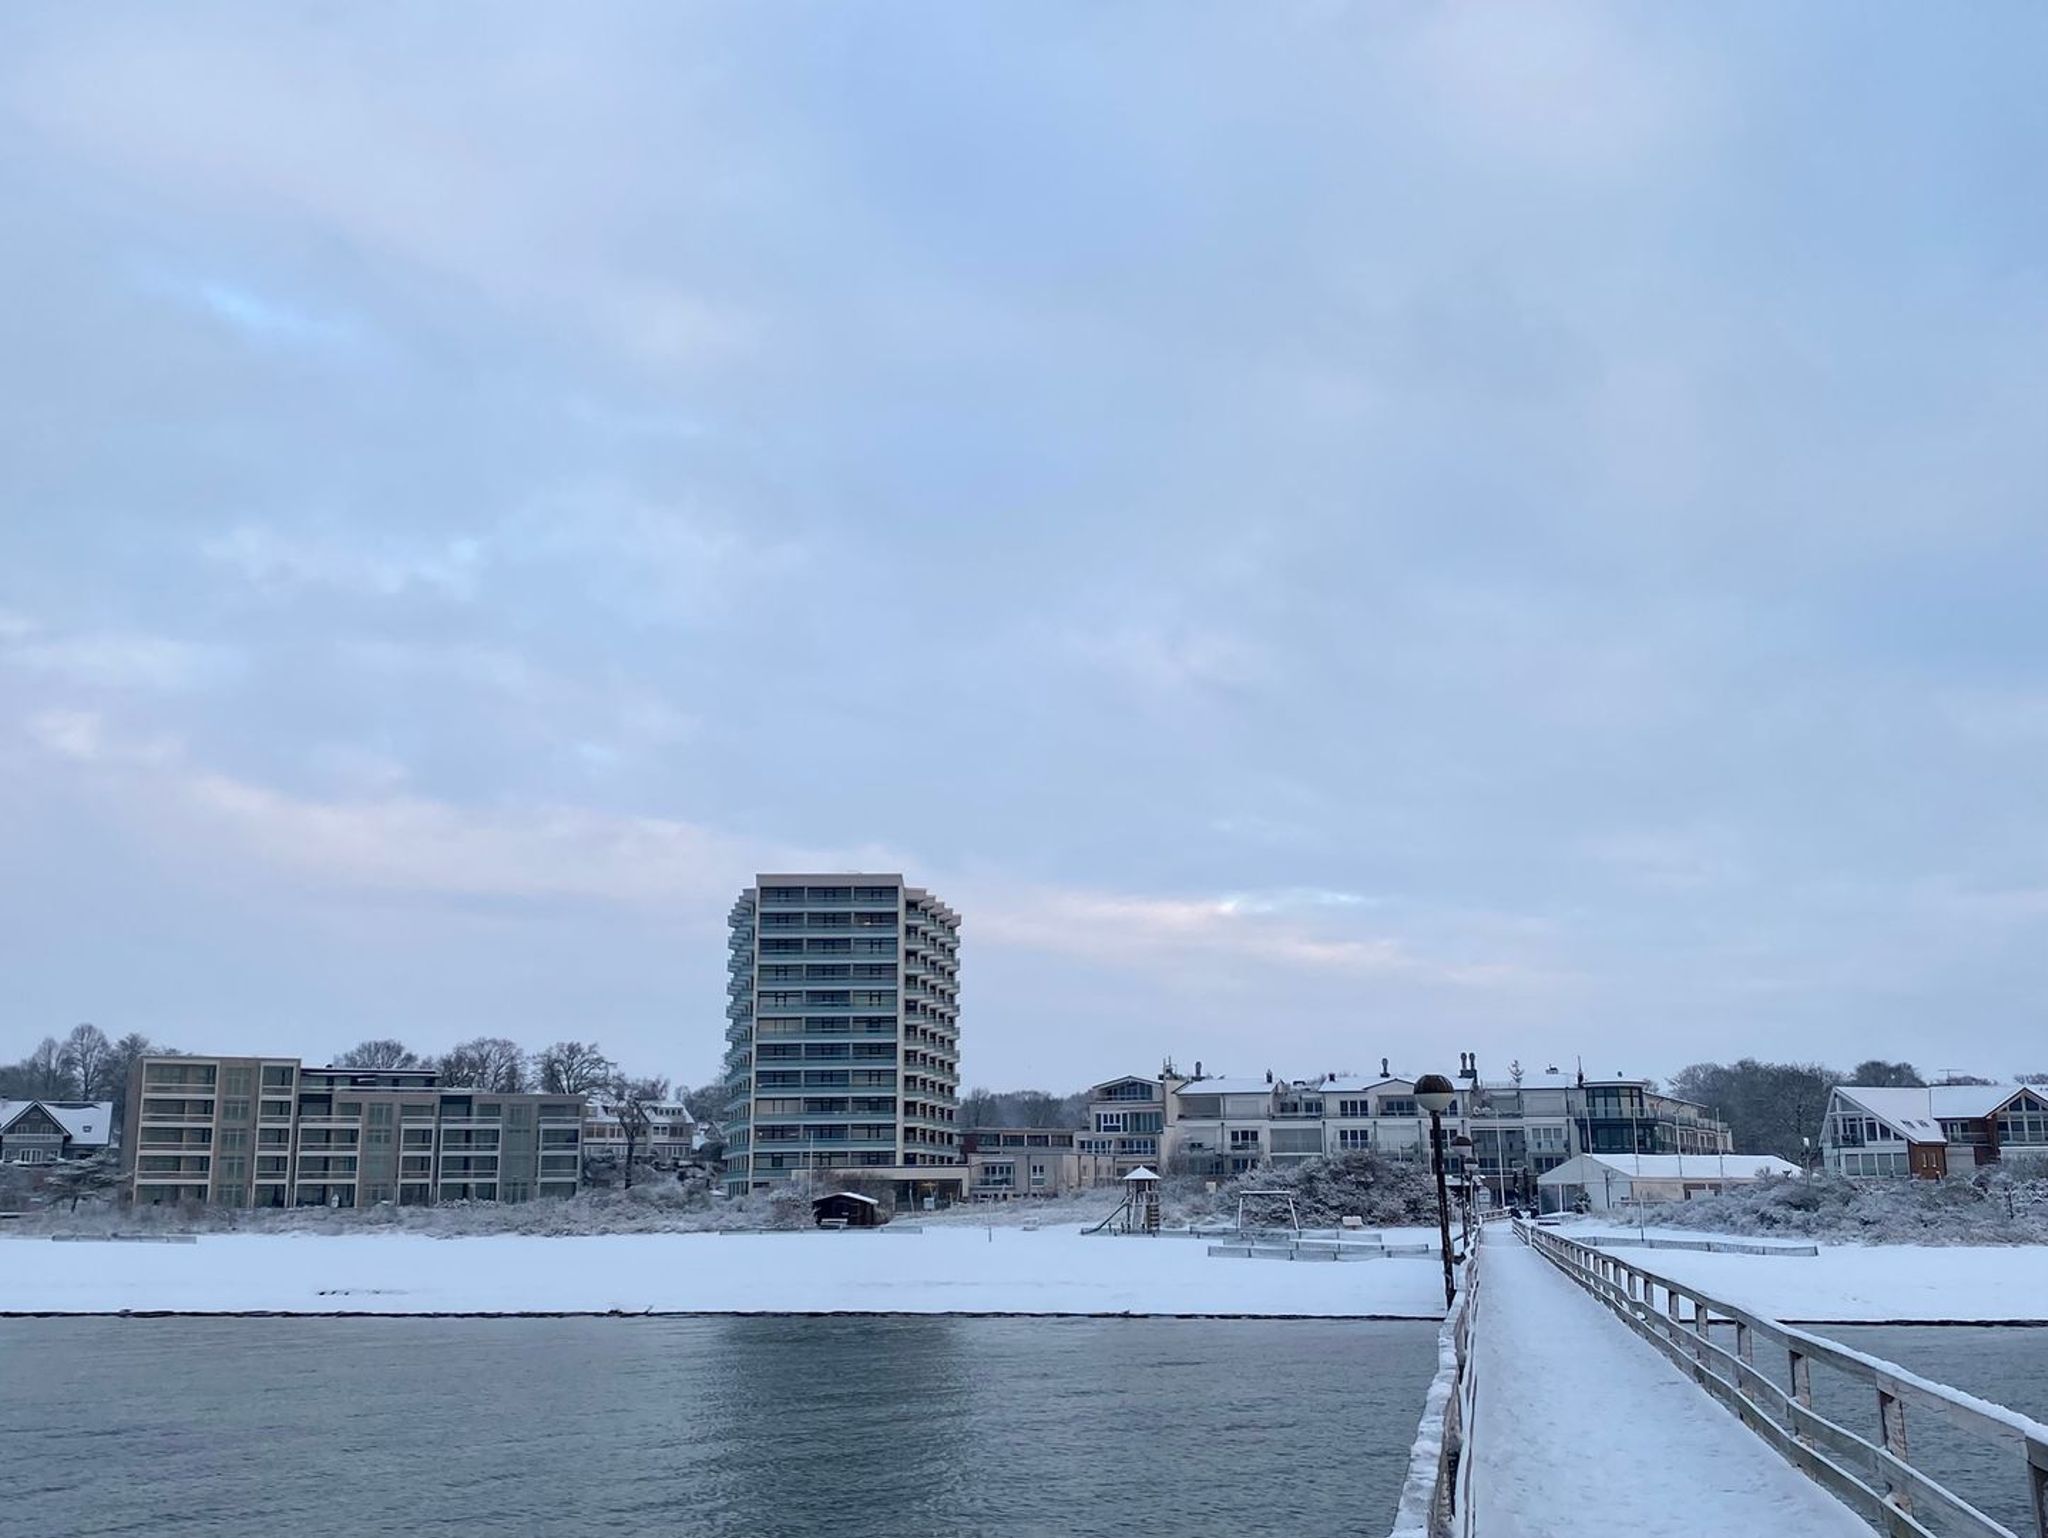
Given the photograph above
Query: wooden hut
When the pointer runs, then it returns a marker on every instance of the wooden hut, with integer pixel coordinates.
(846, 1209)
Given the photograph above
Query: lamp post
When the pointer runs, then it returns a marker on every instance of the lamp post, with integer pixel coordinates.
(1434, 1093)
(1461, 1146)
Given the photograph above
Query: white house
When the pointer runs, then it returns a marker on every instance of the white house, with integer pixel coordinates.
(1613, 1180)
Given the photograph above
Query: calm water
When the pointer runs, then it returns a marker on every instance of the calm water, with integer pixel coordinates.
(763, 1427)
(2008, 1366)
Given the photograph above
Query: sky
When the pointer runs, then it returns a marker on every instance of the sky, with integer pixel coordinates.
(1327, 532)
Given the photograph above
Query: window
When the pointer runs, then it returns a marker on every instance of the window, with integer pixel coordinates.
(235, 1140)
(1398, 1105)
(277, 1076)
(1109, 1121)
(235, 1110)
(277, 1110)
(1354, 1108)
(1352, 1138)
(236, 1081)
(1241, 1137)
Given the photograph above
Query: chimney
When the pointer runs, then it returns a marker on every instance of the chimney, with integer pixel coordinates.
(1383, 1069)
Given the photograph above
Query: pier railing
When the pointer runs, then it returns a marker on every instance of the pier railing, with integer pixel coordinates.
(1436, 1497)
(1874, 1477)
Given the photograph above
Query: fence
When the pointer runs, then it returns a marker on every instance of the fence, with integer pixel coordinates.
(1436, 1497)
(1874, 1478)
(1708, 1246)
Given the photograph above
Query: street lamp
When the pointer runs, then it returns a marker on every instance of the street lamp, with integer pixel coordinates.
(1461, 1146)
(1434, 1093)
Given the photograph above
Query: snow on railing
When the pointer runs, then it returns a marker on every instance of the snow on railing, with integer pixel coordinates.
(1436, 1495)
(1872, 1477)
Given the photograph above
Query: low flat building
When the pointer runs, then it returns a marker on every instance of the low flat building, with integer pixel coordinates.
(1004, 1162)
(1931, 1130)
(1601, 1182)
(268, 1132)
(45, 1131)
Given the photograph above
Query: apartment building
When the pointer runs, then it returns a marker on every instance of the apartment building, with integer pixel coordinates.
(1520, 1128)
(269, 1132)
(1932, 1131)
(843, 1035)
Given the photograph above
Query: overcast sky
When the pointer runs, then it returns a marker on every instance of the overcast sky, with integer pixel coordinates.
(1326, 533)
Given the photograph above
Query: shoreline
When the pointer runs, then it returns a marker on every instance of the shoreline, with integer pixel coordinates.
(703, 1313)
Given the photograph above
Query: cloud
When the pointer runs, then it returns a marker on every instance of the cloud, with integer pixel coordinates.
(1142, 932)
(82, 737)
(282, 563)
(120, 659)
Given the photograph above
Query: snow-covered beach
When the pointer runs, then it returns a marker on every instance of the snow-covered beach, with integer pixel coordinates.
(950, 1269)
(1860, 1283)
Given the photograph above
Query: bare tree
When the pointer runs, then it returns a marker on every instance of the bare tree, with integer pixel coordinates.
(43, 1072)
(87, 1057)
(573, 1068)
(380, 1053)
(486, 1062)
(631, 1097)
(122, 1057)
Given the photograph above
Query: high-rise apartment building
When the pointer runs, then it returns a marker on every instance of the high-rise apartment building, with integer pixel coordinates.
(266, 1132)
(843, 1036)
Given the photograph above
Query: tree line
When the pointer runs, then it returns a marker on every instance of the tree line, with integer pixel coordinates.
(86, 1065)
(1771, 1107)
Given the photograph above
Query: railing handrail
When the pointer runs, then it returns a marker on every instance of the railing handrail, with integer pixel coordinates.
(1436, 1497)
(1786, 1419)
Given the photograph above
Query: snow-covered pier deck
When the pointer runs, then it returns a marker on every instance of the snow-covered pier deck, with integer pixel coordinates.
(1580, 1427)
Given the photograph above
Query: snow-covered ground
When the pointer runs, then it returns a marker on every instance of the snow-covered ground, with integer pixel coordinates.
(1860, 1282)
(954, 1268)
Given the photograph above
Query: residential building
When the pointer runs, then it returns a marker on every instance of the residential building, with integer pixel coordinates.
(44, 1131)
(1604, 1181)
(666, 1140)
(843, 1035)
(268, 1132)
(1932, 1131)
(1520, 1127)
(1126, 1125)
(1003, 1162)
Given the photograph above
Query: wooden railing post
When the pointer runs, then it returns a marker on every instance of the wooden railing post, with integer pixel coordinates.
(1891, 1420)
(1802, 1386)
(2037, 1475)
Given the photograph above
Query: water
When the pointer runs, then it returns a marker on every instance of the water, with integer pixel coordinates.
(2006, 1366)
(687, 1427)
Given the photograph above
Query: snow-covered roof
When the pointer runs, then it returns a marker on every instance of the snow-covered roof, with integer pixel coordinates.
(1918, 1113)
(1670, 1167)
(1142, 1173)
(852, 1196)
(1551, 1080)
(1228, 1087)
(1354, 1084)
(89, 1122)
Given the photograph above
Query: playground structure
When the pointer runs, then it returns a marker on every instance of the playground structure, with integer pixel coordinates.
(1139, 1211)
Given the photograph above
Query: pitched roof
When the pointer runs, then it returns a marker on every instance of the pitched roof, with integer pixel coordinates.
(1918, 1113)
(1678, 1166)
(90, 1123)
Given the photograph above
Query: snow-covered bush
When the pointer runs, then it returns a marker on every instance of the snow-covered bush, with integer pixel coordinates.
(659, 1207)
(1996, 1205)
(1382, 1191)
